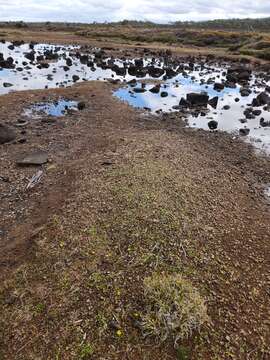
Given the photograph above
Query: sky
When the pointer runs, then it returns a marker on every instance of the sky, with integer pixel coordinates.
(161, 11)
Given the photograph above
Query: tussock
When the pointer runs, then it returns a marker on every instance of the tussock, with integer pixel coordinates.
(175, 308)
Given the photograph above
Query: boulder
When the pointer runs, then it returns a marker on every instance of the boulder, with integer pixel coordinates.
(155, 89)
(6, 84)
(139, 90)
(6, 134)
(238, 74)
(155, 72)
(212, 124)
(264, 123)
(200, 99)
(184, 103)
(164, 94)
(69, 62)
(213, 102)
(245, 92)
(75, 78)
(244, 131)
(81, 105)
(218, 86)
(262, 99)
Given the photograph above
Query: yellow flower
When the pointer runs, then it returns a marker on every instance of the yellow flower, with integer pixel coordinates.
(119, 333)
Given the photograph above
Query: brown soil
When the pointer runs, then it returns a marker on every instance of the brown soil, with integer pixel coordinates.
(126, 194)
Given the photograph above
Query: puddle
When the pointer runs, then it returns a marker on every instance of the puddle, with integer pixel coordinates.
(57, 108)
(38, 66)
(227, 116)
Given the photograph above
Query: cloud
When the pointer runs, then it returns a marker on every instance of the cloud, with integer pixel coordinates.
(113, 10)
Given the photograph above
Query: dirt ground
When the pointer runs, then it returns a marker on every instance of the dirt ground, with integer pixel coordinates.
(126, 194)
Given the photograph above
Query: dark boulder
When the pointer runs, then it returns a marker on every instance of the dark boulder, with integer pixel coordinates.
(136, 71)
(81, 105)
(245, 92)
(213, 101)
(164, 94)
(226, 107)
(213, 124)
(120, 71)
(257, 112)
(30, 56)
(244, 131)
(8, 63)
(170, 73)
(200, 99)
(69, 62)
(155, 89)
(262, 99)
(155, 72)
(138, 63)
(184, 103)
(75, 78)
(50, 55)
(6, 134)
(238, 74)
(139, 90)
(264, 123)
(218, 86)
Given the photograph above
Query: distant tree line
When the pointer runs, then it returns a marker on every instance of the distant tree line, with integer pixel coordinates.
(248, 24)
(229, 24)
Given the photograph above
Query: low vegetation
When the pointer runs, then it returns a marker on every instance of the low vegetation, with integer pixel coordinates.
(175, 310)
(239, 37)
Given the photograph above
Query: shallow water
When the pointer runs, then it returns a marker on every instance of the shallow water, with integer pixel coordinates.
(26, 75)
(228, 120)
(57, 108)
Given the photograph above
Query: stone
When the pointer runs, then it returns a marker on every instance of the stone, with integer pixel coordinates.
(6, 134)
(244, 131)
(262, 99)
(81, 105)
(37, 157)
(213, 101)
(155, 89)
(164, 94)
(213, 124)
(200, 99)
(218, 86)
(75, 78)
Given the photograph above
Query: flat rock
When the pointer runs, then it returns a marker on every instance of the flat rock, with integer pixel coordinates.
(38, 157)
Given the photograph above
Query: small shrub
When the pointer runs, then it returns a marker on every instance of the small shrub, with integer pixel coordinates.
(86, 351)
(174, 309)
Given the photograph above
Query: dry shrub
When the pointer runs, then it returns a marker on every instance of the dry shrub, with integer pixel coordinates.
(175, 308)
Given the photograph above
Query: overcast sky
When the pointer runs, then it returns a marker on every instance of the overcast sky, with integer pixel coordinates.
(162, 11)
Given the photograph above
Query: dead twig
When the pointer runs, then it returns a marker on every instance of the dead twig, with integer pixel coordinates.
(34, 180)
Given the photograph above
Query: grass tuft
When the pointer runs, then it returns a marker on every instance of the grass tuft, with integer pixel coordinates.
(175, 308)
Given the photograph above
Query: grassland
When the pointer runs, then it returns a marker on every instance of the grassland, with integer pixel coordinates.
(183, 39)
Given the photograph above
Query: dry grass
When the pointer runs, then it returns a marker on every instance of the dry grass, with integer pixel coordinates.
(175, 308)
